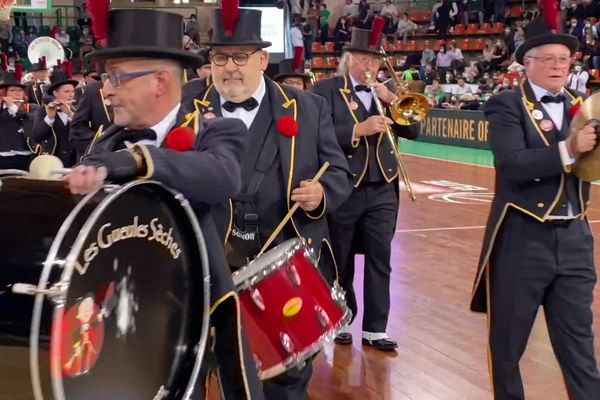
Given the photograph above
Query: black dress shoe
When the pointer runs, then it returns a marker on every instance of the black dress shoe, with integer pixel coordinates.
(386, 344)
(343, 338)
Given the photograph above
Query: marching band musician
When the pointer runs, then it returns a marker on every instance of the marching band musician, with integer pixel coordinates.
(52, 121)
(288, 76)
(143, 80)
(538, 246)
(290, 136)
(15, 123)
(369, 215)
(40, 74)
(92, 113)
(201, 82)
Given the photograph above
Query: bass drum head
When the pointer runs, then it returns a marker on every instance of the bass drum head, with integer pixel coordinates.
(135, 316)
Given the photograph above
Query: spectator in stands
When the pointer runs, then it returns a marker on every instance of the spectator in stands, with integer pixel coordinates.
(485, 59)
(83, 18)
(504, 85)
(463, 12)
(363, 14)
(307, 35)
(576, 28)
(324, 23)
(389, 11)
(458, 60)
(449, 78)
(405, 26)
(461, 88)
(63, 37)
(475, 9)
(578, 78)
(434, 88)
(519, 37)
(576, 12)
(411, 74)
(341, 33)
(508, 36)
(312, 18)
(428, 75)
(189, 44)
(18, 42)
(86, 42)
(296, 10)
(443, 61)
(30, 36)
(499, 7)
(192, 29)
(350, 11)
(486, 85)
(298, 44)
(428, 54)
(444, 19)
(501, 57)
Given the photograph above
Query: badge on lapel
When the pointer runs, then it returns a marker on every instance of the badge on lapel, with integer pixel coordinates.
(537, 114)
(209, 115)
(546, 125)
(353, 105)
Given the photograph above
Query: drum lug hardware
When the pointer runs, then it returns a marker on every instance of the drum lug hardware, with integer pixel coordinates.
(55, 291)
(257, 299)
(322, 317)
(286, 342)
(110, 187)
(294, 276)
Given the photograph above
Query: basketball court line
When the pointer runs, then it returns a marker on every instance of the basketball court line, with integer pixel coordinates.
(455, 228)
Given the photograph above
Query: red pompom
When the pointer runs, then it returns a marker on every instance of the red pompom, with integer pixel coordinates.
(180, 139)
(287, 126)
(18, 72)
(4, 61)
(573, 111)
(230, 13)
(42, 62)
(67, 66)
(378, 23)
(98, 10)
(551, 14)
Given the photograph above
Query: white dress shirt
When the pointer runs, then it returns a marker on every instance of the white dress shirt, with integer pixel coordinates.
(366, 98)
(247, 117)
(578, 80)
(63, 117)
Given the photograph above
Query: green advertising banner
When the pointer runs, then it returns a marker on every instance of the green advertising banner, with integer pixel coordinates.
(455, 128)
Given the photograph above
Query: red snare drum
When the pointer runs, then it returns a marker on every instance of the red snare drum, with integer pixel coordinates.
(288, 309)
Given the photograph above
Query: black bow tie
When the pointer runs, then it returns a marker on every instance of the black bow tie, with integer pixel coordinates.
(135, 135)
(553, 99)
(247, 105)
(362, 88)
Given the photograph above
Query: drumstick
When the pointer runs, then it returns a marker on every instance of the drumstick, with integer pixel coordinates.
(290, 213)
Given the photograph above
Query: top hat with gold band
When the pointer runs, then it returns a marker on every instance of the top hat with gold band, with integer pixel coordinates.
(125, 38)
(546, 30)
(367, 41)
(234, 26)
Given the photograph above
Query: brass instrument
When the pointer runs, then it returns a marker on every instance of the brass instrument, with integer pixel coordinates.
(311, 75)
(409, 108)
(587, 167)
(390, 136)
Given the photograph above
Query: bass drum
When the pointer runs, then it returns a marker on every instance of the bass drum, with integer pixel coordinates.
(104, 296)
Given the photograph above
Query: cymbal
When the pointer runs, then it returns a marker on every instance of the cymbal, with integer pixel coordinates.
(587, 167)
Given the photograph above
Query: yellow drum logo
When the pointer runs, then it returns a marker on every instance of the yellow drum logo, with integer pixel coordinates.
(292, 307)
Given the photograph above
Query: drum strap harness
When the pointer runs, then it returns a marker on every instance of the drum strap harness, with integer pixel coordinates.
(244, 240)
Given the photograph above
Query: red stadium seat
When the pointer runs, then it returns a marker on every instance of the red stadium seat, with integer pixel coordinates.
(472, 29)
(479, 44)
(466, 45)
(498, 27)
(438, 43)
(459, 29)
(399, 46)
(316, 47)
(486, 28)
(332, 62)
(329, 47)
(318, 62)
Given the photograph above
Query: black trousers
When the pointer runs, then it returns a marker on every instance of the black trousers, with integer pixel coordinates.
(552, 265)
(291, 385)
(368, 215)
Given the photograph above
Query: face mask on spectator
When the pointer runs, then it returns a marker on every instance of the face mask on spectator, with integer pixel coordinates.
(486, 76)
(573, 23)
(578, 68)
(448, 78)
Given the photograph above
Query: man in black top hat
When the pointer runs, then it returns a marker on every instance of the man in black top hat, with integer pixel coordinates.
(198, 85)
(538, 246)
(289, 138)
(369, 215)
(143, 80)
(15, 123)
(288, 76)
(40, 79)
(52, 121)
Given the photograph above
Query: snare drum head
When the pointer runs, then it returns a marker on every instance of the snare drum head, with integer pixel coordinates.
(132, 317)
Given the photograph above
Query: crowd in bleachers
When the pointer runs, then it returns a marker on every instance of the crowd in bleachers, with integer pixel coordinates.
(460, 42)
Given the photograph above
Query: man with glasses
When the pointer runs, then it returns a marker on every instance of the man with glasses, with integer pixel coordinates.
(287, 75)
(290, 136)
(538, 246)
(368, 217)
(143, 80)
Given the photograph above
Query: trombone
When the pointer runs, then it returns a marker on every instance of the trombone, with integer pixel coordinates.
(390, 137)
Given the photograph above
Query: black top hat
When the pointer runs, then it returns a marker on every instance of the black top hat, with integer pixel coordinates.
(9, 80)
(241, 31)
(367, 41)
(541, 31)
(126, 39)
(204, 58)
(286, 70)
(36, 67)
(59, 78)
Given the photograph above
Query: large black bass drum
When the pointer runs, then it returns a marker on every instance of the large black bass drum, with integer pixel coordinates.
(103, 296)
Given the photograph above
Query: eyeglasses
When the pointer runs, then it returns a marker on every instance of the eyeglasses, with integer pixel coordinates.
(117, 80)
(239, 59)
(551, 60)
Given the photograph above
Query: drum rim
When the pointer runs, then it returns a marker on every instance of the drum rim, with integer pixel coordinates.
(47, 268)
(56, 376)
(14, 171)
(241, 278)
(304, 355)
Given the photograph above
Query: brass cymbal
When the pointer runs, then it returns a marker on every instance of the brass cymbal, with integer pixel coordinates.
(587, 167)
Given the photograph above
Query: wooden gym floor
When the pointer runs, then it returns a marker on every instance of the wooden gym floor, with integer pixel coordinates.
(442, 345)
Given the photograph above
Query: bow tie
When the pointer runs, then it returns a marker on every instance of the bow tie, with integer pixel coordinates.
(247, 105)
(135, 135)
(362, 88)
(553, 99)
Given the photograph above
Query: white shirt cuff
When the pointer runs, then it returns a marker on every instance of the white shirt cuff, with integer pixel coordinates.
(565, 157)
(49, 121)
